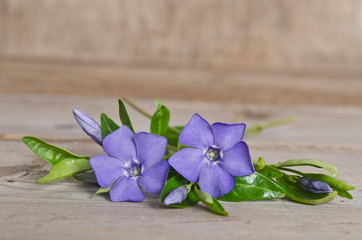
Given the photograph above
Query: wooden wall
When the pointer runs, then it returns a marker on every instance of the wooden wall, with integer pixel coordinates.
(313, 37)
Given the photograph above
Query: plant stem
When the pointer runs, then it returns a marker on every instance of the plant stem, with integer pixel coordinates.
(290, 170)
(175, 130)
(171, 147)
(144, 113)
(259, 128)
(137, 108)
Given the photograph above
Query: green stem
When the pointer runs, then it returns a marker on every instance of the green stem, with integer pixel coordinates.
(137, 108)
(175, 130)
(289, 170)
(171, 147)
(267, 125)
(144, 113)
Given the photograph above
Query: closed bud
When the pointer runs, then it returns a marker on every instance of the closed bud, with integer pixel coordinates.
(176, 196)
(314, 186)
(89, 125)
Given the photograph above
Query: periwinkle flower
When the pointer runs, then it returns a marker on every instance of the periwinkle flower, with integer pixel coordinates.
(133, 160)
(314, 186)
(176, 196)
(218, 154)
(89, 125)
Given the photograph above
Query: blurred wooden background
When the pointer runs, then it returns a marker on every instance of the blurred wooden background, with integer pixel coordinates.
(257, 51)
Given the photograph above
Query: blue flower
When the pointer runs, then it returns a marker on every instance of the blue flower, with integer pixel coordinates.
(89, 125)
(314, 186)
(218, 154)
(176, 196)
(133, 160)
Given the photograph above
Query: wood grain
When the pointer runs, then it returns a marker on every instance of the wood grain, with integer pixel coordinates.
(65, 210)
(242, 87)
(269, 35)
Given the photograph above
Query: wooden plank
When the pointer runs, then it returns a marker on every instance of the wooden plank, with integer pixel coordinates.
(217, 86)
(277, 35)
(65, 210)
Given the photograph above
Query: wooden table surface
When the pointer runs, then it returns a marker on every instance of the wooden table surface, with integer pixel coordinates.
(65, 209)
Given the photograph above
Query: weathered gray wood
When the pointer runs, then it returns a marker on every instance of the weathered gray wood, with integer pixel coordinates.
(278, 35)
(64, 210)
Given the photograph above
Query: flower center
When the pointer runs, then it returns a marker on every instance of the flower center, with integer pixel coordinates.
(133, 168)
(136, 171)
(213, 154)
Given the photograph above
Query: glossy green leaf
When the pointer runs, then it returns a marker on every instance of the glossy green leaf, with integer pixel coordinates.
(210, 202)
(173, 183)
(123, 115)
(310, 162)
(345, 194)
(253, 187)
(335, 183)
(88, 177)
(66, 168)
(160, 119)
(107, 125)
(48, 152)
(298, 194)
(270, 172)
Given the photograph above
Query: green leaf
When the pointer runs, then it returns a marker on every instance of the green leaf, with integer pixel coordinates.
(160, 119)
(271, 172)
(298, 194)
(123, 115)
(66, 168)
(48, 152)
(88, 177)
(253, 187)
(310, 162)
(173, 183)
(107, 125)
(172, 136)
(345, 194)
(210, 202)
(335, 183)
(102, 190)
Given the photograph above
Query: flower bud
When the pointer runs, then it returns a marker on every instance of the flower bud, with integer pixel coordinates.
(314, 186)
(89, 125)
(176, 196)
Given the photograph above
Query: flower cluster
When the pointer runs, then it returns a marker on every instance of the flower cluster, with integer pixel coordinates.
(187, 164)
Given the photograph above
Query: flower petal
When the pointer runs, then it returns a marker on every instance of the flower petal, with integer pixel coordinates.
(120, 144)
(227, 135)
(188, 163)
(89, 125)
(150, 148)
(237, 160)
(107, 169)
(215, 181)
(197, 133)
(126, 189)
(153, 179)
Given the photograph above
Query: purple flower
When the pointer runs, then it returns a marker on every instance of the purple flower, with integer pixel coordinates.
(314, 186)
(89, 125)
(218, 154)
(133, 160)
(176, 196)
